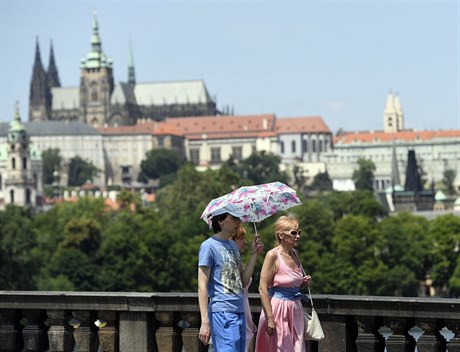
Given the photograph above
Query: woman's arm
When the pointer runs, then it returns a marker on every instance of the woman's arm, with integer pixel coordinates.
(266, 277)
(247, 272)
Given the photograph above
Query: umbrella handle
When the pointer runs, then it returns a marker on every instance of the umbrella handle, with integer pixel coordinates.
(255, 229)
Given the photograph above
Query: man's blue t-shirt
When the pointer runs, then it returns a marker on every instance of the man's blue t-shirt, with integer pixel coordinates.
(225, 287)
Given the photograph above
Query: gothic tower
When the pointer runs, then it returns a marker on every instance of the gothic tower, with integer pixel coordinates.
(52, 74)
(40, 97)
(96, 83)
(131, 73)
(19, 180)
(393, 115)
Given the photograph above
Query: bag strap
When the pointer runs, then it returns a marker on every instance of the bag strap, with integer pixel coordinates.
(303, 272)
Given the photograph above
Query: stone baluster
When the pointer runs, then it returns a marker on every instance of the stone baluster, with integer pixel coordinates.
(167, 335)
(108, 331)
(454, 344)
(60, 333)
(10, 330)
(190, 324)
(400, 340)
(85, 334)
(34, 332)
(369, 339)
(431, 340)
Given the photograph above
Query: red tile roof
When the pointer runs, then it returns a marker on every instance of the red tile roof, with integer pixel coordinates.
(382, 137)
(307, 124)
(217, 127)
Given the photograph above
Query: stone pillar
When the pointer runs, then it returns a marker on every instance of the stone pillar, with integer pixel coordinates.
(135, 334)
(85, 334)
(454, 344)
(369, 339)
(340, 332)
(34, 332)
(190, 339)
(60, 333)
(431, 340)
(400, 340)
(108, 331)
(10, 330)
(167, 335)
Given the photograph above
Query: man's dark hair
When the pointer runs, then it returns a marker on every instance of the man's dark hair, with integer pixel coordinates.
(215, 222)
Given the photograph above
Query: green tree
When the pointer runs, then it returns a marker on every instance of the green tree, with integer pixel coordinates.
(363, 176)
(444, 233)
(402, 245)
(322, 182)
(262, 167)
(161, 164)
(81, 171)
(448, 179)
(51, 161)
(359, 202)
(18, 260)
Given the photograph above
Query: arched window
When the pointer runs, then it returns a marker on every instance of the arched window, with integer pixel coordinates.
(24, 163)
(13, 163)
(12, 196)
(28, 196)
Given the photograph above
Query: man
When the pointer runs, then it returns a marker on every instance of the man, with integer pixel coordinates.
(221, 278)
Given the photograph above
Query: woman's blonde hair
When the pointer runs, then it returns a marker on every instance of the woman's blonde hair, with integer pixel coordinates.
(240, 233)
(284, 223)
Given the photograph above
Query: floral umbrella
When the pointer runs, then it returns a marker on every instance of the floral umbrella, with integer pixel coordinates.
(255, 203)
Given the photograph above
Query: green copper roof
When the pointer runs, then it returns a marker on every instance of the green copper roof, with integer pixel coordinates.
(16, 125)
(96, 58)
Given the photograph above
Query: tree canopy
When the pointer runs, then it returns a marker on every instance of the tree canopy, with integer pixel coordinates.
(349, 244)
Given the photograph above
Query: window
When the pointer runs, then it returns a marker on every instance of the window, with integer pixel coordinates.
(195, 156)
(13, 164)
(304, 146)
(293, 146)
(282, 147)
(215, 155)
(313, 146)
(24, 163)
(28, 197)
(237, 153)
(320, 145)
(12, 196)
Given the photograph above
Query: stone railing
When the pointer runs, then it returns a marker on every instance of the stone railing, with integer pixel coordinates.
(169, 322)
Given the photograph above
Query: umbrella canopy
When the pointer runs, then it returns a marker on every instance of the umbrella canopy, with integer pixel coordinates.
(253, 203)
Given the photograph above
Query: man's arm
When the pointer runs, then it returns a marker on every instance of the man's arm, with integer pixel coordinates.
(203, 279)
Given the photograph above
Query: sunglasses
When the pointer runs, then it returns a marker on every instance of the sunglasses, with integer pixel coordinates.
(293, 233)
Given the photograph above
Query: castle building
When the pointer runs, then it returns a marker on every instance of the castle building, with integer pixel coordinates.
(20, 168)
(99, 101)
(437, 151)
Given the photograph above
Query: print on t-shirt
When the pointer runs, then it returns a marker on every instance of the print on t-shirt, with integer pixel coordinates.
(231, 278)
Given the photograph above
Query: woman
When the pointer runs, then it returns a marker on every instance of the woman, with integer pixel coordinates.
(257, 247)
(281, 324)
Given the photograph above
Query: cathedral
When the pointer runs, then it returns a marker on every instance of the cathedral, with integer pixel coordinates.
(99, 101)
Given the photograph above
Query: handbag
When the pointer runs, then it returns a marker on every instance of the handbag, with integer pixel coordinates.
(312, 325)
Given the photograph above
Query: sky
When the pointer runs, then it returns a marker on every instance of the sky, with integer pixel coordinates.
(335, 59)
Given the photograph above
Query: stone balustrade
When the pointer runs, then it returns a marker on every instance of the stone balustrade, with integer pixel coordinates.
(169, 322)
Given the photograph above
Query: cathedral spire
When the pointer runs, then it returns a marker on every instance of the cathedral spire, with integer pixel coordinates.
(96, 58)
(39, 101)
(95, 39)
(53, 76)
(131, 73)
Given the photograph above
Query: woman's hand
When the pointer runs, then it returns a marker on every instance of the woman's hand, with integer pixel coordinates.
(307, 280)
(257, 245)
(270, 326)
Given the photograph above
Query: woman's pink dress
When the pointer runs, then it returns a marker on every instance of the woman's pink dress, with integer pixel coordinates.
(288, 315)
